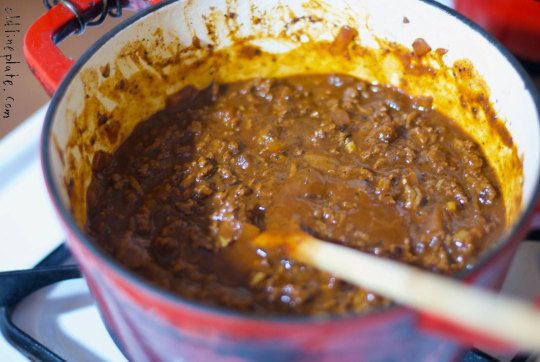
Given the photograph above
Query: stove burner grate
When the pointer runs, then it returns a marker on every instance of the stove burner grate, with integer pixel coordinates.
(17, 285)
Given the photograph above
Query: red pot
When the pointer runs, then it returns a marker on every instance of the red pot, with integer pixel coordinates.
(514, 22)
(152, 324)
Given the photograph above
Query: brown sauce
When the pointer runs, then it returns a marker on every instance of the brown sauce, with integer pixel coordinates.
(354, 163)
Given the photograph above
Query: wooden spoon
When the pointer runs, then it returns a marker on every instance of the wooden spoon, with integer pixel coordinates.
(503, 318)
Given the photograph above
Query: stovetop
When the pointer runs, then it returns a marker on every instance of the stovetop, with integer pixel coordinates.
(62, 316)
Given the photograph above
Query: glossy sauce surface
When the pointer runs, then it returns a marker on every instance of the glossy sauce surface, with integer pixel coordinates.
(354, 163)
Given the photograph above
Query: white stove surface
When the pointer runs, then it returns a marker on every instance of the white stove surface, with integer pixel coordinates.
(64, 316)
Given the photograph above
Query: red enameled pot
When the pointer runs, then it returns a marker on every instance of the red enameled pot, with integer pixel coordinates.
(148, 323)
(515, 23)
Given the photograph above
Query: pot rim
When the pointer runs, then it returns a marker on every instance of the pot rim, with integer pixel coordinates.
(137, 281)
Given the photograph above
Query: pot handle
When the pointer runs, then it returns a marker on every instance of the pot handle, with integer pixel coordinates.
(66, 17)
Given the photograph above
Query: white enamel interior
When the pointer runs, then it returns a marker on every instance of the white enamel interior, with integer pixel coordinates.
(183, 19)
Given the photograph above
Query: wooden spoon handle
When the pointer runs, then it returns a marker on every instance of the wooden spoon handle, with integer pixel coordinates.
(500, 317)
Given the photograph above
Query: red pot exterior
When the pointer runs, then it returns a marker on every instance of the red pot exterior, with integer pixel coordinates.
(148, 325)
(514, 22)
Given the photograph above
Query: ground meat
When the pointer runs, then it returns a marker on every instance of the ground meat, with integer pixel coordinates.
(350, 162)
(421, 47)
